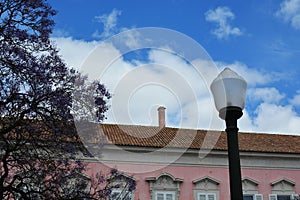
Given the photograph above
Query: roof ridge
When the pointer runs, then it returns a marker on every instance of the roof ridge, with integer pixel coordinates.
(200, 129)
(152, 136)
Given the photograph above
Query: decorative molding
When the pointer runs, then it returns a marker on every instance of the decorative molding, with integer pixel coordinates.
(121, 179)
(283, 186)
(128, 176)
(208, 178)
(254, 182)
(206, 184)
(190, 157)
(249, 185)
(164, 174)
(292, 183)
(164, 182)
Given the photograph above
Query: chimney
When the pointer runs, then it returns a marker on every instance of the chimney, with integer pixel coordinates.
(161, 117)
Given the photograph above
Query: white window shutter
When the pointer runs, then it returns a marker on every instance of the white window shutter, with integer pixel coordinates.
(115, 194)
(272, 196)
(258, 197)
(165, 195)
(128, 196)
(201, 196)
(159, 196)
(211, 197)
(169, 196)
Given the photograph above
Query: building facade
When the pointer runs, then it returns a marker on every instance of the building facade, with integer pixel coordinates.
(172, 164)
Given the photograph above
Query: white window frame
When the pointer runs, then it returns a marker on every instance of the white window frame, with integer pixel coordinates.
(130, 194)
(206, 195)
(256, 196)
(294, 196)
(274, 196)
(165, 194)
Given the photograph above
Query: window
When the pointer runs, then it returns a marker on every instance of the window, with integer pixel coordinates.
(164, 187)
(120, 187)
(283, 189)
(164, 195)
(252, 197)
(283, 197)
(29, 185)
(31, 190)
(206, 188)
(120, 194)
(74, 182)
(250, 190)
(206, 196)
(71, 183)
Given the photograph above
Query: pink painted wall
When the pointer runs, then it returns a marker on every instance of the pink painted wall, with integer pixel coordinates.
(190, 173)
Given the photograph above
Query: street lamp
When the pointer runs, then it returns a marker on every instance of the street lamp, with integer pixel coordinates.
(229, 91)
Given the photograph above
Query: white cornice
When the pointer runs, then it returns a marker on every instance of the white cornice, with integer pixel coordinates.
(283, 180)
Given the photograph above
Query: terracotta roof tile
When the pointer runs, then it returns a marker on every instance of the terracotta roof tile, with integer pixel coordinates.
(148, 136)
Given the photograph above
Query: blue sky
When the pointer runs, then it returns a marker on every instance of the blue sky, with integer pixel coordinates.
(258, 39)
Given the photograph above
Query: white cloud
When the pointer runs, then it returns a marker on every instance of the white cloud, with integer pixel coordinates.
(131, 38)
(277, 119)
(138, 88)
(245, 124)
(109, 22)
(221, 16)
(165, 80)
(253, 77)
(74, 52)
(267, 94)
(290, 12)
(295, 101)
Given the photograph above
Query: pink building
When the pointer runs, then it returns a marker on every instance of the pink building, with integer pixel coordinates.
(172, 164)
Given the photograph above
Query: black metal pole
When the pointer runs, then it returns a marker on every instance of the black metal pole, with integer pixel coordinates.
(231, 115)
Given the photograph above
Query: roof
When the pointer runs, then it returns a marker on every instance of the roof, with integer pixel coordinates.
(149, 136)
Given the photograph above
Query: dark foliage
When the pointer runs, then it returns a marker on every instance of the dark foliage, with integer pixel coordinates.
(38, 95)
(103, 186)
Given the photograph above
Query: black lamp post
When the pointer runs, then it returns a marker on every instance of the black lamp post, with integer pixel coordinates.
(229, 91)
